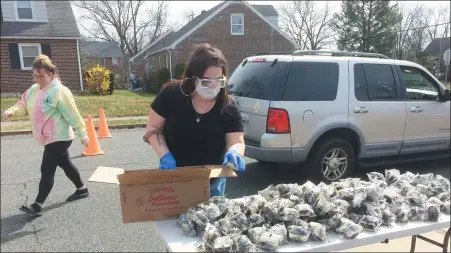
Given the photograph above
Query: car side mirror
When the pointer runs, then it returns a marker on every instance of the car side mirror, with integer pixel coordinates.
(446, 96)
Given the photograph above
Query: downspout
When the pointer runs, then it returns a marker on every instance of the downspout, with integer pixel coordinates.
(79, 66)
(170, 63)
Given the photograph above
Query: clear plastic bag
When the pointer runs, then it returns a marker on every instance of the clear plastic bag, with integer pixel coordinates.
(269, 193)
(392, 175)
(423, 179)
(305, 211)
(287, 214)
(443, 181)
(435, 201)
(375, 176)
(402, 213)
(212, 211)
(417, 213)
(415, 198)
(223, 244)
(446, 207)
(324, 208)
(280, 229)
(240, 221)
(298, 233)
(256, 220)
(346, 194)
(255, 234)
(370, 223)
(269, 241)
(433, 212)
(318, 232)
(210, 234)
(244, 244)
(349, 229)
(269, 212)
(188, 228)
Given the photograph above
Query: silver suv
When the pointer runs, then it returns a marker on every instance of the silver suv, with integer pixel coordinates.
(334, 109)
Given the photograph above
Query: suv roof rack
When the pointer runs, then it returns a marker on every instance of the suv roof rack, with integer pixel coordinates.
(338, 53)
(267, 53)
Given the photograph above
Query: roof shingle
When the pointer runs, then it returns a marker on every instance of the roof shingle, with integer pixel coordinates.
(61, 23)
(100, 49)
(437, 47)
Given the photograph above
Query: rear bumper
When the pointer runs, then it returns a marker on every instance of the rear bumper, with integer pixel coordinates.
(277, 155)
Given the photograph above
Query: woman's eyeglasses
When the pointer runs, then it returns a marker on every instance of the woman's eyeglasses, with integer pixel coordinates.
(39, 78)
(207, 82)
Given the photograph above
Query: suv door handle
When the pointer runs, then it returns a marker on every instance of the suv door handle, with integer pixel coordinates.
(361, 109)
(416, 109)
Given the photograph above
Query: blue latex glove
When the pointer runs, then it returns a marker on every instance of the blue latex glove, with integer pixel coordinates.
(233, 159)
(167, 162)
(217, 186)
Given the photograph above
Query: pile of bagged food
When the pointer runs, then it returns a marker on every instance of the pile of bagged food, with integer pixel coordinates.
(298, 213)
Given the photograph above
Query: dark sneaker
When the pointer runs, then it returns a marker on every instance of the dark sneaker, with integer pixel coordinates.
(78, 194)
(34, 209)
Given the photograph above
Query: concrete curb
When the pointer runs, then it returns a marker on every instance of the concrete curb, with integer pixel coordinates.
(25, 132)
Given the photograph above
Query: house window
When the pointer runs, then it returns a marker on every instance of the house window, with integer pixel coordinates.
(28, 53)
(237, 24)
(102, 61)
(115, 61)
(24, 10)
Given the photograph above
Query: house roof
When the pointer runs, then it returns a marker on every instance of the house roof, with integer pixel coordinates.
(151, 44)
(437, 47)
(174, 38)
(266, 10)
(61, 23)
(100, 49)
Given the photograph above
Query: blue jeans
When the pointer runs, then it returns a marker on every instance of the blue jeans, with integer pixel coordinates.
(217, 186)
(132, 85)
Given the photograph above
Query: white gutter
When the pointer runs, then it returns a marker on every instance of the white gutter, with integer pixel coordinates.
(79, 67)
(170, 63)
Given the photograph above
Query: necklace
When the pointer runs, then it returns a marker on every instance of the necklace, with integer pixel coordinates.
(197, 114)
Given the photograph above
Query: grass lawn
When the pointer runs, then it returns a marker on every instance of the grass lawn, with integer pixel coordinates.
(27, 127)
(122, 103)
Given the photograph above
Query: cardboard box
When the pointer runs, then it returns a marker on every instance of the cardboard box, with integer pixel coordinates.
(153, 195)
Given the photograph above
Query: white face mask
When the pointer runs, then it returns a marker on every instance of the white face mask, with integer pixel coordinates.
(207, 92)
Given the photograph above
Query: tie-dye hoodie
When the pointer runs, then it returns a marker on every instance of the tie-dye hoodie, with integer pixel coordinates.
(53, 113)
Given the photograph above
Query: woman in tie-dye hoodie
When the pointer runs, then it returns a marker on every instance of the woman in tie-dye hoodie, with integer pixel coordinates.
(54, 117)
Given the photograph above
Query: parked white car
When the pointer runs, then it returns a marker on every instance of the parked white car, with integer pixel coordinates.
(334, 109)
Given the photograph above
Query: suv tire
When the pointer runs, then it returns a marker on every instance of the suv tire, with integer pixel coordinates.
(340, 156)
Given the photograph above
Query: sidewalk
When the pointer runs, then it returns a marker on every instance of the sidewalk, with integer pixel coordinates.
(403, 244)
(24, 122)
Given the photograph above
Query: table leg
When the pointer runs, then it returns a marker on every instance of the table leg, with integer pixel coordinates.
(446, 240)
(413, 244)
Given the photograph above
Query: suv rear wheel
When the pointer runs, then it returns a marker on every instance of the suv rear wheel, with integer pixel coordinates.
(332, 160)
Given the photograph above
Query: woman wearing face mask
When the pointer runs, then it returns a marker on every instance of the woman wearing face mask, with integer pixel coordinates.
(196, 122)
(53, 113)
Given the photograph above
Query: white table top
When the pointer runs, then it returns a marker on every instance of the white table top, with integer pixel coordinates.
(176, 241)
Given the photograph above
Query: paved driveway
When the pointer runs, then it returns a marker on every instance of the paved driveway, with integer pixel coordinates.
(94, 224)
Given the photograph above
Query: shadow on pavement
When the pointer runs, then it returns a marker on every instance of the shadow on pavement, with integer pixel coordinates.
(12, 224)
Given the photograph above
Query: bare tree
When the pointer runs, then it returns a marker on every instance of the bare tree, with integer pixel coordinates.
(128, 23)
(439, 22)
(307, 24)
(189, 15)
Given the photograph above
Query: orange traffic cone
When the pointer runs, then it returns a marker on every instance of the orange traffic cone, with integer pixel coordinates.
(93, 147)
(103, 126)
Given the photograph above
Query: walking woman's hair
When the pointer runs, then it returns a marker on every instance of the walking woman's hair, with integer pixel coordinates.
(43, 62)
(203, 57)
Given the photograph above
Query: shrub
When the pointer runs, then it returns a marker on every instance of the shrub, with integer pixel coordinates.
(179, 69)
(162, 77)
(147, 80)
(112, 83)
(97, 81)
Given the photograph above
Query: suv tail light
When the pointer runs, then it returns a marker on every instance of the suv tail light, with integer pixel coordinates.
(278, 121)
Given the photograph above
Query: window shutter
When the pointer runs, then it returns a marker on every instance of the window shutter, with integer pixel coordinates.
(14, 56)
(45, 49)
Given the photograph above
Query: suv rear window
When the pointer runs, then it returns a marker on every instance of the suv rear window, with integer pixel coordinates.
(312, 81)
(259, 80)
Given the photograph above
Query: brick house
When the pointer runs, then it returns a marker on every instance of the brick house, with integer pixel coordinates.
(437, 48)
(104, 53)
(236, 27)
(30, 28)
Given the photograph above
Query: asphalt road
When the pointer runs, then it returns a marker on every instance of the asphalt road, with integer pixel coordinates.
(94, 223)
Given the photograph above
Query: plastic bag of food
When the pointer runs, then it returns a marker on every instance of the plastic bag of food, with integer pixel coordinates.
(210, 234)
(212, 211)
(388, 217)
(269, 241)
(287, 214)
(355, 217)
(324, 208)
(423, 189)
(446, 207)
(416, 198)
(256, 220)
(255, 234)
(443, 181)
(400, 182)
(225, 226)
(297, 222)
(298, 233)
(341, 204)
(375, 176)
(359, 196)
(333, 222)
(188, 228)
(349, 229)
(216, 200)
(370, 223)
(392, 196)
(282, 203)
(240, 221)
(423, 179)
(392, 175)
(406, 189)
(328, 190)
(244, 244)
(280, 229)
(203, 247)
(402, 213)
(269, 212)
(373, 210)
(435, 201)
(444, 196)
(409, 175)
(223, 244)
(312, 195)
(296, 190)
(269, 193)
(254, 204)
(346, 194)
(307, 185)
(433, 212)
(318, 232)
(284, 190)
(417, 213)
(305, 211)
(182, 219)
(296, 200)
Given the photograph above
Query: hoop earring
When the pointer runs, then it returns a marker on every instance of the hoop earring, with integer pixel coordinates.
(184, 92)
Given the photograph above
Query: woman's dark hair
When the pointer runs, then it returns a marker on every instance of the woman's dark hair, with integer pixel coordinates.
(203, 57)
